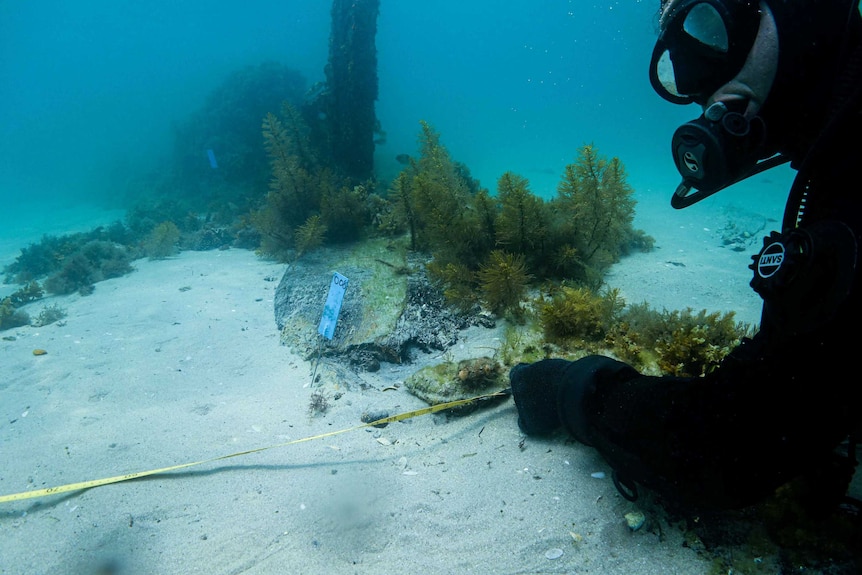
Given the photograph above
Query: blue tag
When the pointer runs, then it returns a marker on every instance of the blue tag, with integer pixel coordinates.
(212, 159)
(333, 306)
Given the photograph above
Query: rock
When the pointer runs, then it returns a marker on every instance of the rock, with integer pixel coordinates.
(447, 382)
(390, 307)
(742, 229)
(635, 520)
(372, 416)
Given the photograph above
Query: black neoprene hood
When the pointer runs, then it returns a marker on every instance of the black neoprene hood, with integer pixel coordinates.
(815, 39)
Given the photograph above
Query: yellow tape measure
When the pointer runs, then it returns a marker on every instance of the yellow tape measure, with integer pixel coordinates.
(118, 478)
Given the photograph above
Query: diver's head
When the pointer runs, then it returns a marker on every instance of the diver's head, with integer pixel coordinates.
(704, 45)
(771, 64)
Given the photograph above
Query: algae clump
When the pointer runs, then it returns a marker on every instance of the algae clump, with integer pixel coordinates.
(503, 280)
(162, 241)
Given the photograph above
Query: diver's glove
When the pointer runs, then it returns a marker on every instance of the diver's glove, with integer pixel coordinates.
(553, 392)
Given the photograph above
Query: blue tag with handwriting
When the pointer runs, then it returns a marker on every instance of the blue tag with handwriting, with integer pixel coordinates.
(333, 306)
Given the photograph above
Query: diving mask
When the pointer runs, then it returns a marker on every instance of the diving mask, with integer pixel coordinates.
(702, 45)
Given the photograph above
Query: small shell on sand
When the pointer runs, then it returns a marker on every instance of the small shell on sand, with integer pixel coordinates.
(39, 351)
(554, 553)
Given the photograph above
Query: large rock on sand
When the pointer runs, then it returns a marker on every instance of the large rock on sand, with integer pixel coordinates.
(389, 310)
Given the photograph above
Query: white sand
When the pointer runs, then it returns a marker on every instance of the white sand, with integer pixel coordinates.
(689, 267)
(180, 361)
(145, 373)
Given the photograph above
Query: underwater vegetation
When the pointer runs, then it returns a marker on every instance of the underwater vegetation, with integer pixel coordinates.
(503, 281)
(75, 262)
(200, 232)
(497, 249)
(579, 313)
(60, 265)
(49, 314)
(228, 124)
(469, 233)
(318, 403)
(682, 343)
(573, 321)
(38, 260)
(685, 343)
(521, 223)
(307, 200)
(433, 201)
(148, 213)
(69, 263)
(458, 283)
(32, 291)
(162, 241)
(95, 261)
(321, 150)
(10, 316)
(309, 235)
(592, 215)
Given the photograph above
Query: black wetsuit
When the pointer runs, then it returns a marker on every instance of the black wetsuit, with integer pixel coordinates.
(782, 402)
(777, 406)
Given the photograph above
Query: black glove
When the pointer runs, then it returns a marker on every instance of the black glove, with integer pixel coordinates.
(535, 387)
(553, 392)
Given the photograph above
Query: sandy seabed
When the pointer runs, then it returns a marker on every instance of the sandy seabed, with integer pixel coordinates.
(180, 361)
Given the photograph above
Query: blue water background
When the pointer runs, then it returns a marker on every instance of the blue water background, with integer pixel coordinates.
(90, 91)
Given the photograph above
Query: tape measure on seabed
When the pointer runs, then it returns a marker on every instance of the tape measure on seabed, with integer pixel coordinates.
(118, 478)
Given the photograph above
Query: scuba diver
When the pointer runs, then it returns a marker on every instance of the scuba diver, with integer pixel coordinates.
(778, 81)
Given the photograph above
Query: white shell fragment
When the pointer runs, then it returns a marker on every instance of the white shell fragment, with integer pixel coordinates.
(598, 475)
(554, 553)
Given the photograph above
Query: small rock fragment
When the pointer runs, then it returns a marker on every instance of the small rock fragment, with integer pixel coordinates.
(635, 520)
(372, 416)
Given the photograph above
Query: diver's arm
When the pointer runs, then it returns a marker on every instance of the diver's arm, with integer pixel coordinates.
(776, 406)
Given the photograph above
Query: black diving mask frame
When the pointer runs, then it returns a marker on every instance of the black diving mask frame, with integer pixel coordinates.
(702, 45)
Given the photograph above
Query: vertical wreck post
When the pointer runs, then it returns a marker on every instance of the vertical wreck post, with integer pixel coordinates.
(351, 90)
